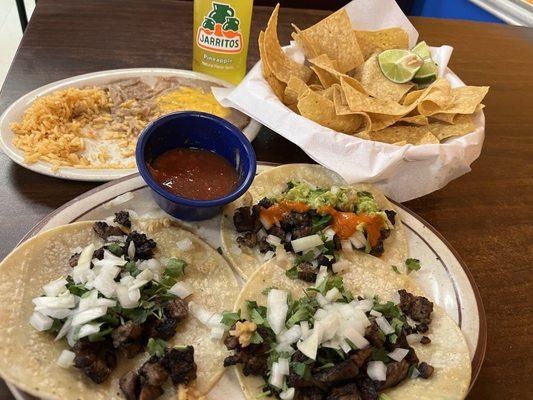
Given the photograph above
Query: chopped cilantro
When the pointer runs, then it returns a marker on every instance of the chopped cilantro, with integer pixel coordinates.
(320, 222)
(115, 249)
(156, 347)
(56, 326)
(77, 290)
(292, 273)
(379, 354)
(256, 338)
(175, 268)
(99, 336)
(395, 269)
(131, 267)
(412, 264)
(326, 366)
(267, 290)
(230, 318)
(388, 309)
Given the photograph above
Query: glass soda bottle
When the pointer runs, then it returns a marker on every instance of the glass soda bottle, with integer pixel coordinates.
(221, 34)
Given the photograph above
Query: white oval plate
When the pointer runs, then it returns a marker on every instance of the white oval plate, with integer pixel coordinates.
(16, 110)
(443, 276)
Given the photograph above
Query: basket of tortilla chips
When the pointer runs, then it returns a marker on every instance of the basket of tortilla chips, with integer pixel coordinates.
(359, 95)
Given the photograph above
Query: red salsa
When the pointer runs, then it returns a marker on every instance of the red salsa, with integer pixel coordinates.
(194, 173)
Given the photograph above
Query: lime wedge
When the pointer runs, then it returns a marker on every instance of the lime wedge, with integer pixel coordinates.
(398, 65)
(427, 73)
(422, 50)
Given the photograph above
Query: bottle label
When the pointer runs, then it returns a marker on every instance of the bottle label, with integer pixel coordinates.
(220, 30)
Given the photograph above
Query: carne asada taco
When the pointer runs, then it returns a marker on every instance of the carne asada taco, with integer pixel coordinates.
(344, 337)
(304, 215)
(102, 310)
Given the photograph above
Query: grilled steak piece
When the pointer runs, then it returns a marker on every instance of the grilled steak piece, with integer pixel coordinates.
(391, 216)
(337, 242)
(277, 231)
(180, 365)
(301, 232)
(249, 239)
(123, 218)
(99, 253)
(130, 384)
(367, 389)
(264, 246)
(374, 335)
(144, 247)
(128, 338)
(149, 392)
(417, 307)
(231, 342)
(104, 230)
(294, 220)
(396, 372)
(245, 220)
(152, 373)
(323, 260)
(265, 203)
(176, 309)
(425, 340)
(296, 381)
(422, 328)
(425, 370)
(359, 357)
(163, 328)
(346, 392)
(310, 393)
(343, 371)
(307, 272)
(97, 360)
(73, 260)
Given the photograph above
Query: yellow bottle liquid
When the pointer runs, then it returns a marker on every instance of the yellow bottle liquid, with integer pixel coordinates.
(221, 33)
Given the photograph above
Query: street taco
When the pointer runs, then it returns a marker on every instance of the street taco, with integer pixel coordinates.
(345, 337)
(114, 309)
(304, 214)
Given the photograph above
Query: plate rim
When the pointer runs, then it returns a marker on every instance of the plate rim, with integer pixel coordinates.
(105, 174)
(481, 347)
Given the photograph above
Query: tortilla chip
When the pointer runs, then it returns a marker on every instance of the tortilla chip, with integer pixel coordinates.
(326, 79)
(303, 41)
(415, 120)
(463, 125)
(322, 111)
(466, 99)
(327, 93)
(335, 37)
(407, 134)
(377, 85)
(358, 101)
(452, 118)
(276, 85)
(295, 87)
(281, 65)
(381, 121)
(376, 41)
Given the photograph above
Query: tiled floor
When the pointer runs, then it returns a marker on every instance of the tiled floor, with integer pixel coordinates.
(10, 33)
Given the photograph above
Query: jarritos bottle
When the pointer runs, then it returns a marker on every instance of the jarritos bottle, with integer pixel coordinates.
(220, 38)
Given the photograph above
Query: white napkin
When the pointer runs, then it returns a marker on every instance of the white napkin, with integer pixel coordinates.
(403, 173)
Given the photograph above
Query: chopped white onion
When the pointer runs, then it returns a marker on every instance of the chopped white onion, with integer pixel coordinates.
(304, 328)
(277, 309)
(88, 329)
(375, 313)
(345, 347)
(184, 244)
(116, 238)
(364, 305)
(287, 394)
(64, 329)
(333, 294)
(181, 289)
(322, 274)
(267, 225)
(268, 255)
(415, 373)
(200, 313)
(341, 266)
(105, 284)
(398, 354)
(123, 295)
(321, 300)
(88, 315)
(306, 243)
(346, 246)
(283, 365)
(329, 233)
(291, 335)
(276, 377)
(83, 267)
(261, 234)
(414, 338)
(217, 332)
(384, 325)
(309, 346)
(58, 313)
(396, 298)
(131, 250)
(358, 240)
(41, 322)
(273, 240)
(377, 370)
(66, 359)
(55, 288)
(356, 338)
(65, 301)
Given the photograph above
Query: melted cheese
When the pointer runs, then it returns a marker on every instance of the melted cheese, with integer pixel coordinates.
(190, 99)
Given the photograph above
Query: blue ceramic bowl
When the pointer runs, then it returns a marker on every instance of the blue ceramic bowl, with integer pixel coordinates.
(201, 131)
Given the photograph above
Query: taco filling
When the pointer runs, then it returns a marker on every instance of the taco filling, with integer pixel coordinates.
(313, 224)
(115, 301)
(328, 344)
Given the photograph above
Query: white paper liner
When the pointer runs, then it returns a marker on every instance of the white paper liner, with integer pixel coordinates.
(402, 172)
